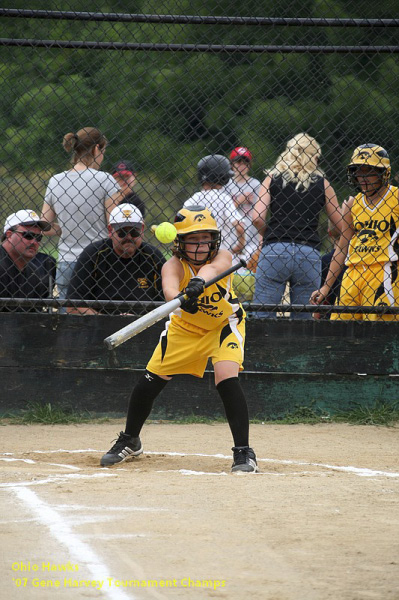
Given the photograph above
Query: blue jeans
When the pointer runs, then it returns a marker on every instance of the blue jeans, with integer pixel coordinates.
(284, 262)
(62, 279)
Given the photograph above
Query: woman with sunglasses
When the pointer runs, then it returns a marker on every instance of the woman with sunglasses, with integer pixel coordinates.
(122, 267)
(78, 201)
(24, 271)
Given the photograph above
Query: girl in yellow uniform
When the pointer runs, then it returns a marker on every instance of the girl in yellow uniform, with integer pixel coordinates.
(369, 241)
(210, 324)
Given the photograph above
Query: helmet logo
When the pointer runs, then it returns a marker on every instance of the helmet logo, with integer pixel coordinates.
(200, 217)
(364, 155)
(232, 345)
(126, 213)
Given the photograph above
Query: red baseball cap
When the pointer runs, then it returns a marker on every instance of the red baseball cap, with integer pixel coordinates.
(123, 167)
(241, 152)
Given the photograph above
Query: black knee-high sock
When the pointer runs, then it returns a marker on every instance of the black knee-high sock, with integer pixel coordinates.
(144, 393)
(236, 409)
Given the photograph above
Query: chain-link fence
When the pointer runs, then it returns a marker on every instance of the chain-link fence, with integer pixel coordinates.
(285, 91)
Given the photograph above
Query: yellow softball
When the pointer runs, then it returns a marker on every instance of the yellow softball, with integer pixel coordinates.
(165, 232)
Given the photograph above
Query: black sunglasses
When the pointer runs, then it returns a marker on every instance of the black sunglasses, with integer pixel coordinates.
(122, 233)
(29, 235)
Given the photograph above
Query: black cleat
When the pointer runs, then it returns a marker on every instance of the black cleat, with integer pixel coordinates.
(125, 447)
(244, 460)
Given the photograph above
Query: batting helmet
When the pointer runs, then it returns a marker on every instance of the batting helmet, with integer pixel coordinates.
(214, 168)
(369, 155)
(196, 219)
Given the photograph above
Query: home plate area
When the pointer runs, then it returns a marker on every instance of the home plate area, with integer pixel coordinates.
(319, 520)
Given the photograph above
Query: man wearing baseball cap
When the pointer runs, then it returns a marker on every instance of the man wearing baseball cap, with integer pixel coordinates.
(125, 174)
(24, 271)
(122, 267)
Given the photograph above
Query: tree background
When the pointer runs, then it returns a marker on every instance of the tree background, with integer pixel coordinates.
(165, 110)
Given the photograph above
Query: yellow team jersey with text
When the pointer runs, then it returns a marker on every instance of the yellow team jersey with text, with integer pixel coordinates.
(376, 230)
(215, 306)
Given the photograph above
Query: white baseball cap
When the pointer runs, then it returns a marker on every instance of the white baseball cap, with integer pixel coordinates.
(124, 215)
(25, 217)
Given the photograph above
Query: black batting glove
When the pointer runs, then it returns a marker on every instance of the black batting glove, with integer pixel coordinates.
(190, 305)
(195, 287)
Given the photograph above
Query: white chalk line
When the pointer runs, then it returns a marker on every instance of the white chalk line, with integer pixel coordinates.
(359, 471)
(56, 451)
(269, 473)
(189, 472)
(25, 460)
(34, 462)
(79, 507)
(115, 536)
(80, 551)
(102, 514)
(106, 513)
(55, 479)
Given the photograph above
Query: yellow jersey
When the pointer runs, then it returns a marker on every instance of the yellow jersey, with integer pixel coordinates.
(376, 230)
(216, 304)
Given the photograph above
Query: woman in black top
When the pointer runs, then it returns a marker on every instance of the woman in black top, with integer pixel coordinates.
(294, 192)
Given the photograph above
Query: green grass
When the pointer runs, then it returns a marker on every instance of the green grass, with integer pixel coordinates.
(198, 419)
(304, 414)
(48, 414)
(379, 413)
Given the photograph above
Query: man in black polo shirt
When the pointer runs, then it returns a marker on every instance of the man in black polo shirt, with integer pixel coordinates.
(122, 267)
(24, 271)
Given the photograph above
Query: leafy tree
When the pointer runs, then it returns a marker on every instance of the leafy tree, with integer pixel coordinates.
(167, 109)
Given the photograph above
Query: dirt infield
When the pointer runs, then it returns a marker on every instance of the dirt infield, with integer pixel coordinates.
(320, 521)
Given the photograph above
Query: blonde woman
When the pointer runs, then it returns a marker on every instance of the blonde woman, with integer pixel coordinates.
(78, 201)
(287, 213)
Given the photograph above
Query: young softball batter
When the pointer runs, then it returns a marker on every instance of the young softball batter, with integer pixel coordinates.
(210, 324)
